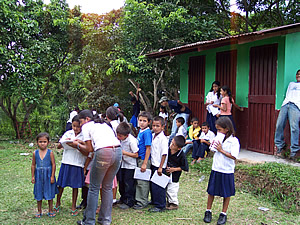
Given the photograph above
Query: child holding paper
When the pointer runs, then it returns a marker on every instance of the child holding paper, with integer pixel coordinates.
(159, 153)
(176, 163)
(130, 150)
(144, 144)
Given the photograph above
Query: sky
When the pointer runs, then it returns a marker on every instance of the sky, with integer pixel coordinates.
(104, 6)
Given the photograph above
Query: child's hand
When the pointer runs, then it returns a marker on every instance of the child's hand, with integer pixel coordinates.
(196, 138)
(143, 168)
(202, 140)
(216, 106)
(33, 180)
(218, 146)
(212, 102)
(52, 180)
(159, 171)
(68, 138)
(124, 152)
(130, 92)
(170, 170)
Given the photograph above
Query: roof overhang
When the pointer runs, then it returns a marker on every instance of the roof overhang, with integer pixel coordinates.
(230, 40)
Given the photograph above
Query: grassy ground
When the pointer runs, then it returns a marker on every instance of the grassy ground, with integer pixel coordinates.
(17, 205)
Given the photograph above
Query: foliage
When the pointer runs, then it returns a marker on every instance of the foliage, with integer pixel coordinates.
(35, 44)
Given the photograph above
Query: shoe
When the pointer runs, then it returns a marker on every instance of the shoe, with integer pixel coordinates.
(137, 207)
(154, 210)
(38, 215)
(207, 217)
(80, 222)
(279, 151)
(123, 206)
(172, 207)
(56, 209)
(222, 219)
(81, 206)
(74, 213)
(51, 214)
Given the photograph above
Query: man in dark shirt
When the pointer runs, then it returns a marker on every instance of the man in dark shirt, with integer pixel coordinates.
(136, 107)
(176, 163)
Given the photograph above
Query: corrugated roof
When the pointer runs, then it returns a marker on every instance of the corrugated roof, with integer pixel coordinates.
(237, 39)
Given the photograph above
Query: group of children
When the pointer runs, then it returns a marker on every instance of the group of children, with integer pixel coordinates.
(150, 150)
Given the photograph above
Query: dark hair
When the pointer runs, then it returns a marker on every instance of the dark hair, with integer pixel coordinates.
(43, 134)
(205, 124)
(194, 119)
(113, 113)
(216, 83)
(226, 123)
(88, 113)
(133, 99)
(123, 128)
(298, 71)
(163, 109)
(179, 141)
(180, 120)
(76, 119)
(159, 119)
(145, 114)
(227, 89)
(76, 108)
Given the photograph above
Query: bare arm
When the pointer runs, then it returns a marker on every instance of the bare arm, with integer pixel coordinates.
(147, 155)
(220, 149)
(53, 167)
(59, 146)
(182, 105)
(236, 106)
(223, 106)
(173, 169)
(163, 159)
(33, 165)
(205, 141)
(83, 147)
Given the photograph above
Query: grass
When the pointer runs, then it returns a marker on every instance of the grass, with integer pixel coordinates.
(17, 205)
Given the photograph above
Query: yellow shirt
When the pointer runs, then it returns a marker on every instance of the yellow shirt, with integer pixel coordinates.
(193, 133)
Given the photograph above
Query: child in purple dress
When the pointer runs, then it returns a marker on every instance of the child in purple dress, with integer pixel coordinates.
(42, 174)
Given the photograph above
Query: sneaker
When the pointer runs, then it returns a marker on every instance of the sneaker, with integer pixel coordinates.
(222, 219)
(154, 210)
(279, 151)
(207, 217)
(123, 206)
(172, 207)
(137, 207)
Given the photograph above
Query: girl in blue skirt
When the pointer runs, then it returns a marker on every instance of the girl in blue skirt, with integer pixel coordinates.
(71, 171)
(221, 180)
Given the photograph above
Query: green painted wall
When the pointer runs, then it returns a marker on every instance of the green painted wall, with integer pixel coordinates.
(242, 76)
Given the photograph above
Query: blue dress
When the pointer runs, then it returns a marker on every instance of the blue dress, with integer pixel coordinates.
(43, 189)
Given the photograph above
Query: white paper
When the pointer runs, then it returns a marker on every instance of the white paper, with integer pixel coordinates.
(213, 110)
(162, 180)
(219, 138)
(64, 143)
(138, 174)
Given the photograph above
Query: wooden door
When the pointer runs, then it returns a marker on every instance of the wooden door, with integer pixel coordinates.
(262, 90)
(196, 87)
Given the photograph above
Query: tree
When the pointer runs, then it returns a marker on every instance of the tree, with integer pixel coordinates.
(36, 42)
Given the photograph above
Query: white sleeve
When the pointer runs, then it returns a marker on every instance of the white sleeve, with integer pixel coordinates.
(164, 146)
(211, 136)
(202, 135)
(65, 136)
(134, 145)
(208, 97)
(85, 130)
(235, 148)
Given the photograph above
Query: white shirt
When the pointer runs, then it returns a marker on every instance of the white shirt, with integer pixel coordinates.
(164, 115)
(130, 144)
(208, 137)
(72, 114)
(223, 164)
(293, 94)
(72, 156)
(159, 148)
(181, 131)
(100, 134)
(115, 124)
(213, 97)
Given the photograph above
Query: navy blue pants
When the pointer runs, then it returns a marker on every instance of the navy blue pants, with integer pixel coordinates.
(211, 120)
(127, 186)
(199, 149)
(158, 194)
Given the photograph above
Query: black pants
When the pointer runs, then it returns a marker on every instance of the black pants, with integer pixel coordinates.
(127, 186)
(158, 194)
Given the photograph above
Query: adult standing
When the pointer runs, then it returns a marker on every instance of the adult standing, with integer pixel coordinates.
(136, 107)
(179, 108)
(74, 112)
(290, 110)
(99, 138)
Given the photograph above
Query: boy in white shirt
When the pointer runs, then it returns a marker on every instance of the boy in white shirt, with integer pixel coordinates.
(181, 130)
(129, 145)
(159, 154)
(201, 145)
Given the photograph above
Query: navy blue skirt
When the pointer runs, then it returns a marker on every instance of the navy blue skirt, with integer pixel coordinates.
(211, 120)
(221, 184)
(70, 176)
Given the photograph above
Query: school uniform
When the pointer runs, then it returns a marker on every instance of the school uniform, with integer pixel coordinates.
(221, 180)
(177, 159)
(210, 118)
(126, 181)
(199, 148)
(159, 148)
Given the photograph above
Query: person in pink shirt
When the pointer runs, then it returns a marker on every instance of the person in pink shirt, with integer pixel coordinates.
(226, 104)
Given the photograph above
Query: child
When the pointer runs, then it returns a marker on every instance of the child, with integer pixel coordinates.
(176, 163)
(226, 104)
(201, 144)
(71, 173)
(180, 129)
(144, 144)
(193, 133)
(43, 174)
(164, 114)
(129, 145)
(159, 154)
(213, 97)
(221, 180)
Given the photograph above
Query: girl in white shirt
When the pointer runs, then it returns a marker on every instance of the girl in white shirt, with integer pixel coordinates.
(213, 98)
(221, 180)
(99, 138)
(71, 171)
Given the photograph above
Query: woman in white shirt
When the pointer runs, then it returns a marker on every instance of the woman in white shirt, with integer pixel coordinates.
(99, 138)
